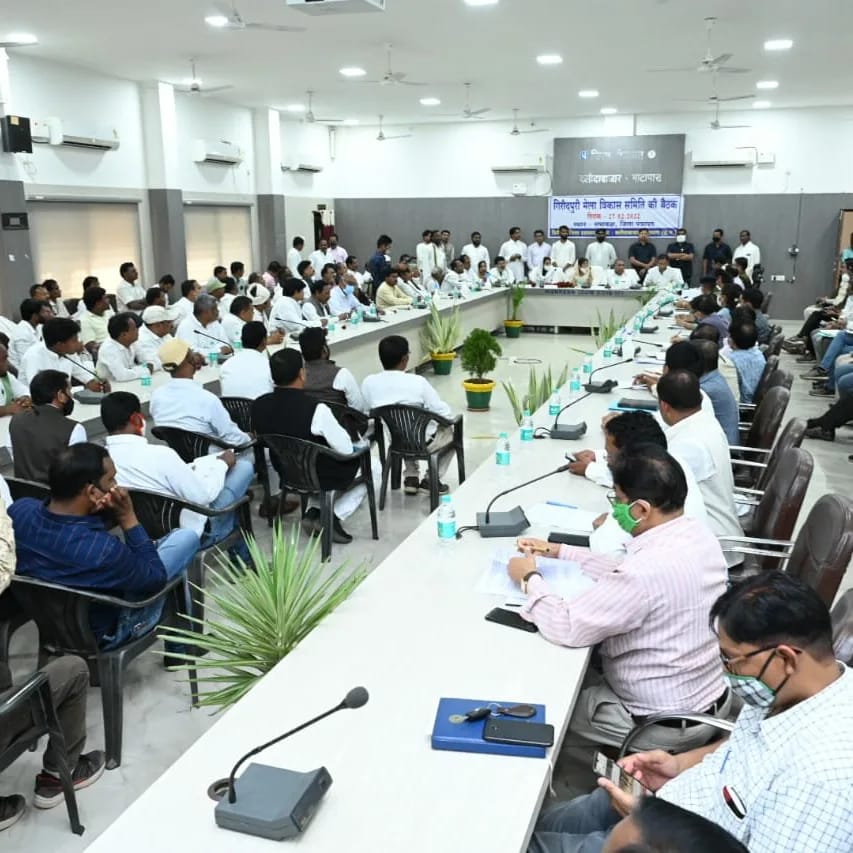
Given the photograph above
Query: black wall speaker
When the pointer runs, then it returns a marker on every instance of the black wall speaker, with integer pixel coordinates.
(16, 134)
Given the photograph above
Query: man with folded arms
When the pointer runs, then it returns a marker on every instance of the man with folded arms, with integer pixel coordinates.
(648, 610)
(781, 781)
(118, 358)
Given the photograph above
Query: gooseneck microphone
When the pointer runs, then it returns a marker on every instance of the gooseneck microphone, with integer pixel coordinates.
(492, 525)
(86, 391)
(572, 432)
(607, 386)
(276, 803)
(212, 338)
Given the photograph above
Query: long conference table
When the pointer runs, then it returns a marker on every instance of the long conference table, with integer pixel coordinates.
(412, 633)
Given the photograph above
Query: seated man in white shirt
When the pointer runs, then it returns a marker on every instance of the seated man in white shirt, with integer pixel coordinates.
(394, 386)
(130, 296)
(315, 309)
(287, 310)
(34, 314)
(454, 281)
(247, 374)
(323, 378)
(54, 298)
(240, 312)
(501, 274)
(289, 410)
(190, 291)
(202, 330)
(548, 273)
(342, 300)
(213, 481)
(93, 324)
(156, 330)
(118, 360)
(14, 395)
(186, 404)
(261, 298)
(620, 278)
(389, 295)
(662, 274)
(61, 350)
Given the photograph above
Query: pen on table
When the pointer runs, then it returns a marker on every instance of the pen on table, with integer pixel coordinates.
(560, 503)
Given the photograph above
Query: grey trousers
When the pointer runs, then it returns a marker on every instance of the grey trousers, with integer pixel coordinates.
(443, 435)
(579, 826)
(68, 677)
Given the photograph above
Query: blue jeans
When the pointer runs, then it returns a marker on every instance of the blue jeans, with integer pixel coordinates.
(844, 380)
(579, 826)
(237, 482)
(842, 343)
(176, 551)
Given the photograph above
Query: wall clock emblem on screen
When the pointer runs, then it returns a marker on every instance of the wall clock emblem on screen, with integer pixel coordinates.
(651, 154)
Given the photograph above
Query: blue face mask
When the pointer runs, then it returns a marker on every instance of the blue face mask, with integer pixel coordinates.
(350, 289)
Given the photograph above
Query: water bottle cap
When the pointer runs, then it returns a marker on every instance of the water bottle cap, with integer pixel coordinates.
(445, 499)
(527, 413)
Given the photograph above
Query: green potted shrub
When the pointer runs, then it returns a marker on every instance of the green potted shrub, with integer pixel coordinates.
(440, 336)
(512, 325)
(255, 618)
(479, 357)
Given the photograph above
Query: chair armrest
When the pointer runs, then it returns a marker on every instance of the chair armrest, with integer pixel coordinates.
(745, 491)
(743, 500)
(718, 723)
(193, 507)
(750, 449)
(749, 407)
(751, 540)
(356, 454)
(99, 597)
(451, 422)
(24, 691)
(747, 463)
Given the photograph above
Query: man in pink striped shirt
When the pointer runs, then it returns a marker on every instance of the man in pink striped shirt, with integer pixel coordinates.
(648, 610)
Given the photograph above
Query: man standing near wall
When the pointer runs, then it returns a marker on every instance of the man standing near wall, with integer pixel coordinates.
(294, 254)
(515, 252)
(642, 254)
(716, 251)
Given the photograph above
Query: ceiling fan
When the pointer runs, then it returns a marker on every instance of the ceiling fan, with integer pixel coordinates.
(383, 138)
(468, 113)
(391, 77)
(715, 123)
(21, 42)
(194, 86)
(235, 21)
(516, 132)
(310, 118)
(709, 64)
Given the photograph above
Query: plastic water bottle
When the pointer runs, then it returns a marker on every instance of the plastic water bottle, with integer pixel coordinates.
(555, 403)
(608, 350)
(527, 426)
(619, 341)
(587, 368)
(575, 384)
(638, 324)
(146, 377)
(237, 343)
(331, 326)
(503, 454)
(446, 521)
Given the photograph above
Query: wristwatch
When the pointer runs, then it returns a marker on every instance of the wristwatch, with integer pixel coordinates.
(526, 578)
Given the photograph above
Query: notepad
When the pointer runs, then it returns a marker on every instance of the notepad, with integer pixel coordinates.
(563, 517)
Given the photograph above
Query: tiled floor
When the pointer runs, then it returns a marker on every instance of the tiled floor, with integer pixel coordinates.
(159, 724)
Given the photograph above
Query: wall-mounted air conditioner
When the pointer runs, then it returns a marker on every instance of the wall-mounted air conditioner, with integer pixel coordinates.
(299, 166)
(336, 7)
(721, 157)
(221, 152)
(54, 131)
(539, 163)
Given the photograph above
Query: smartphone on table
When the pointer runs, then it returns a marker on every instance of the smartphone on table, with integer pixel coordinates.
(518, 732)
(511, 619)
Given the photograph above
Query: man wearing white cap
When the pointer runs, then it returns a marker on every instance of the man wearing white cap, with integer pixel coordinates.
(156, 330)
(261, 298)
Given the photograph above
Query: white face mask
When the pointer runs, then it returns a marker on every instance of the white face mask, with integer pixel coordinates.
(681, 238)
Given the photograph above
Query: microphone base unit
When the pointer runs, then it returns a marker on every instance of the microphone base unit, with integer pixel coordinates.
(648, 330)
(85, 397)
(600, 387)
(273, 803)
(502, 524)
(569, 432)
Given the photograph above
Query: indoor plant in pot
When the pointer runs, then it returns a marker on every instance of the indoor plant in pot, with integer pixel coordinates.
(439, 337)
(479, 357)
(512, 325)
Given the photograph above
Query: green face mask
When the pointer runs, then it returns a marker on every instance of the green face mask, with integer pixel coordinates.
(622, 514)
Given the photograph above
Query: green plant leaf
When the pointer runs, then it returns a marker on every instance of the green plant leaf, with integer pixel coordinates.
(479, 353)
(441, 333)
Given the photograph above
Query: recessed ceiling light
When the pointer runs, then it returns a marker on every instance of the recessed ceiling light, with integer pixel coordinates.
(588, 93)
(352, 71)
(350, 122)
(216, 21)
(549, 59)
(760, 105)
(295, 108)
(430, 102)
(481, 2)
(609, 111)
(767, 84)
(21, 38)
(778, 44)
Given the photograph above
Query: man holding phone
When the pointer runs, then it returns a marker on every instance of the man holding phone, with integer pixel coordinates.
(782, 780)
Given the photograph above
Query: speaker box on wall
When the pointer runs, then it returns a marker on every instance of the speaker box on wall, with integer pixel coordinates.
(16, 134)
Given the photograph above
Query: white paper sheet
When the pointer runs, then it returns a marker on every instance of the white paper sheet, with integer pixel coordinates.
(563, 517)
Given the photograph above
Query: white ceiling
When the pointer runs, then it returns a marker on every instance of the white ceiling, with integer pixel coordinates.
(605, 46)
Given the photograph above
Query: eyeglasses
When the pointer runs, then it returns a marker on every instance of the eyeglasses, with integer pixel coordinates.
(727, 661)
(612, 499)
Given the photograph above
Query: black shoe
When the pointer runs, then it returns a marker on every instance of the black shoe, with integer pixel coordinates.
(410, 485)
(90, 768)
(805, 358)
(816, 372)
(821, 391)
(820, 432)
(443, 488)
(339, 535)
(311, 522)
(11, 810)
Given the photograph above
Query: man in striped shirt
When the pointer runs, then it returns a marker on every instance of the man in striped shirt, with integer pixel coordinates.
(648, 610)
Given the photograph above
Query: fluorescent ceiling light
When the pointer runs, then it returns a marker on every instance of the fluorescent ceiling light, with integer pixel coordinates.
(21, 38)
(295, 108)
(778, 44)
(350, 122)
(352, 71)
(481, 2)
(549, 59)
(760, 105)
(609, 111)
(767, 84)
(216, 21)
(588, 93)
(430, 102)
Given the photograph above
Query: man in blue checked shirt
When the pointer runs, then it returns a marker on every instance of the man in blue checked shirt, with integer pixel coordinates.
(782, 781)
(66, 540)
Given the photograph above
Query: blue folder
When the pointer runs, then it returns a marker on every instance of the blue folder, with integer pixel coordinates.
(468, 736)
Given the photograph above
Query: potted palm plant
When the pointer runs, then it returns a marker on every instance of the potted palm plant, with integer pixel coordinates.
(256, 618)
(479, 357)
(440, 336)
(512, 325)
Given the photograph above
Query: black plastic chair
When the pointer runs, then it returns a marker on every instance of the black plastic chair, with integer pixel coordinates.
(20, 488)
(35, 693)
(356, 423)
(240, 410)
(765, 305)
(296, 461)
(190, 445)
(62, 616)
(774, 345)
(842, 628)
(776, 378)
(409, 427)
(11, 618)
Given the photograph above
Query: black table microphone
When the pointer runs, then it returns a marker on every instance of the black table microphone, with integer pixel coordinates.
(85, 396)
(498, 524)
(573, 431)
(275, 803)
(607, 386)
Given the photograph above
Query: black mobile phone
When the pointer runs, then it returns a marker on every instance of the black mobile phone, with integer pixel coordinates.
(609, 769)
(519, 732)
(634, 403)
(579, 540)
(510, 619)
